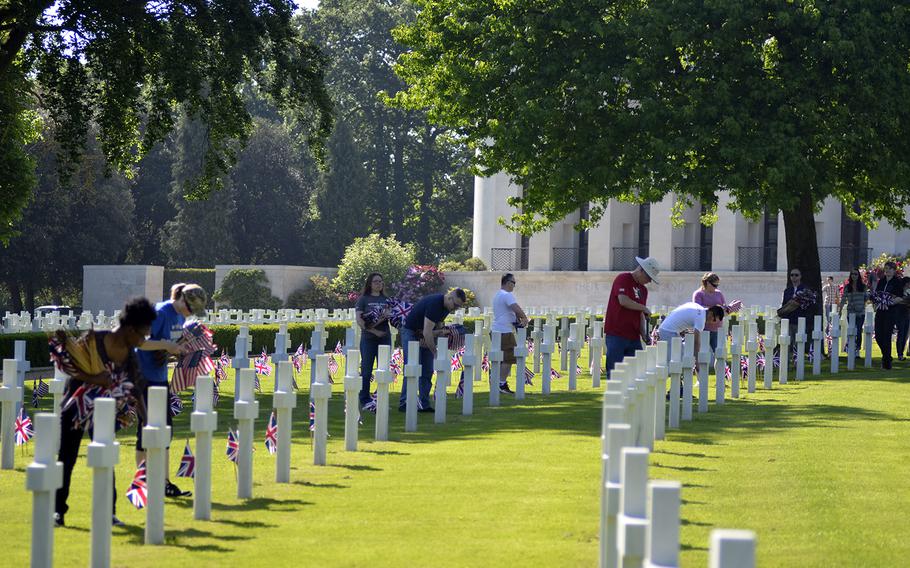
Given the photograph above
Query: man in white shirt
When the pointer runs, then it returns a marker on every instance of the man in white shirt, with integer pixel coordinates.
(507, 314)
(688, 318)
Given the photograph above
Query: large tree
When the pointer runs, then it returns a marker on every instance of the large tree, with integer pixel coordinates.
(129, 66)
(780, 103)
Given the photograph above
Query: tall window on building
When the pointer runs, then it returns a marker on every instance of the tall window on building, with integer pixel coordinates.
(583, 214)
(523, 252)
(706, 245)
(854, 239)
(769, 252)
(644, 229)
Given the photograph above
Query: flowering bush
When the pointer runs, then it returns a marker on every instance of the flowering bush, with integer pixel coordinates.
(420, 280)
(876, 269)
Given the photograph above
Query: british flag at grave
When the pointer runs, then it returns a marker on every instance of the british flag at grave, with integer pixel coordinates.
(233, 448)
(261, 364)
(485, 363)
(23, 428)
(41, 390)
(138, 491)
(744, 366)
(197, 357)
(760, 362)
(728, 373)
(271, 434)
(187, 463)
(174, 404)
(456, 362)
(396, 362)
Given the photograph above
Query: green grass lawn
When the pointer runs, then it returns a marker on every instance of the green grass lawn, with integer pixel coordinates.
(818, 469)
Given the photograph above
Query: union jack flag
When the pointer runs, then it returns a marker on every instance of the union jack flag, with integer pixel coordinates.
(262, 367)
(369, 406)
(456, 362)
(397, 361)
(760, 362)
(174, 405)
(23, 427)
(485, 363)
(312, 416)
(761, 343)
(271, 434)
(529, 376)
(728, 373)
(196, 360)
(459, 390)
(233, 447)
(138, 491)
(399, 312)
(744, 366)
(41, 390)
(554, 374)
(655, 336)
(187, 463)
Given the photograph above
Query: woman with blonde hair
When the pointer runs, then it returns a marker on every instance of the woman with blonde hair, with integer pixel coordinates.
(709, 295)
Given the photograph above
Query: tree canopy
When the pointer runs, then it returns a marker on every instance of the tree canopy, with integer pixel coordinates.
(781, 104)
(132, 67)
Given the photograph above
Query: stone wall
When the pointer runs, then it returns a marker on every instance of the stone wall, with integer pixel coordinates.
(108, 287)
(283, 280)
(591, 289)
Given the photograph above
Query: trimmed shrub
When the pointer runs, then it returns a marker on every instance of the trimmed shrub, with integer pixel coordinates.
(373, 253)
(319, 294)
(246, 289)
(474, 264)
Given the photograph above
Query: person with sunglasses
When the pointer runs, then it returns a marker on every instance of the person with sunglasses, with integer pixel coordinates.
(707, 296)
(854, 298)
(507, 314)
(790, 308)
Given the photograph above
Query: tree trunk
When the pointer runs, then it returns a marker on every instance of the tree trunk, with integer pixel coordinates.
(15, 294)
(802, 248)
(30, 297)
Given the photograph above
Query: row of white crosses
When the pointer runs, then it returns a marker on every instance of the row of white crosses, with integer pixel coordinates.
(640, 519)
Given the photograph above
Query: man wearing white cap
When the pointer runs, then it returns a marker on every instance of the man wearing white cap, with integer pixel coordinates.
(625, 328)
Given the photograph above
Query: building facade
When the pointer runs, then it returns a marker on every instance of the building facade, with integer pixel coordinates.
(732, 244)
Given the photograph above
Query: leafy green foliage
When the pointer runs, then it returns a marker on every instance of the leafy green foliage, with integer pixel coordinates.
(246, 289)
(373, 253)
(127, 67)
(319, 294)
(21, 127)
(472, 264)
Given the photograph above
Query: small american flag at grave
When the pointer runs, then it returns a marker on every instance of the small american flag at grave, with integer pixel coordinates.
(197, 358)
(312, 417)
(529, 376)
(41, 390)
(554, 374)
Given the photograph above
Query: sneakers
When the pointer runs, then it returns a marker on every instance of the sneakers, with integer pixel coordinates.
(58, 520)
(427, 408)
(369, 407)
(504, 388)
(117, 522)
(171, 490)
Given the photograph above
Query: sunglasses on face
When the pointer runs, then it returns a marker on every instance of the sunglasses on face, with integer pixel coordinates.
(794, 276)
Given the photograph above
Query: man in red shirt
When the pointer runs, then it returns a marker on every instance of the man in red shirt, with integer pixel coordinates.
(624, 323)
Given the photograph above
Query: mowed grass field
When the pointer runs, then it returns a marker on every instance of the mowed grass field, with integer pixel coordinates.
(818, 469)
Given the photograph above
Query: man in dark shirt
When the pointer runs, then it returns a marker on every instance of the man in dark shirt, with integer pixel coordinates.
(424, 324)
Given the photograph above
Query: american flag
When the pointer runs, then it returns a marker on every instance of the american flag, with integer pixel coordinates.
(312, 416)
(529, 376)
(215, 395)
(456, 336)
(220, 372)
(333, 367)
(530, 347)
(233, 448)
(174, 405)
(224, 359)
(271, 434)
(339, 349)
(41, 390)
(197, 360)
(138, 491)
(187, 463)
(744, 366)
(459, 390)
(23, 427)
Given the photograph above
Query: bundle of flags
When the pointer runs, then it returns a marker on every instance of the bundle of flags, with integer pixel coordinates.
(398, 311)
(197, 358)
(733, 307)
(138, 491)
(377, 313)
(40, 390)
(456, 336)
(187, 466)
(233, 447)
(882, 300)
(271, 434)
(805, 298)
(23, 428)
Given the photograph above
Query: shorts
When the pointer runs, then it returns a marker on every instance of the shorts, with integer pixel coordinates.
(508, 348)
(144, 396)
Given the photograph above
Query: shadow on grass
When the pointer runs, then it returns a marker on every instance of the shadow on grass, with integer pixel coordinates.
(178, 538)
(355, 467)
(261, 504)
(320, 485)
